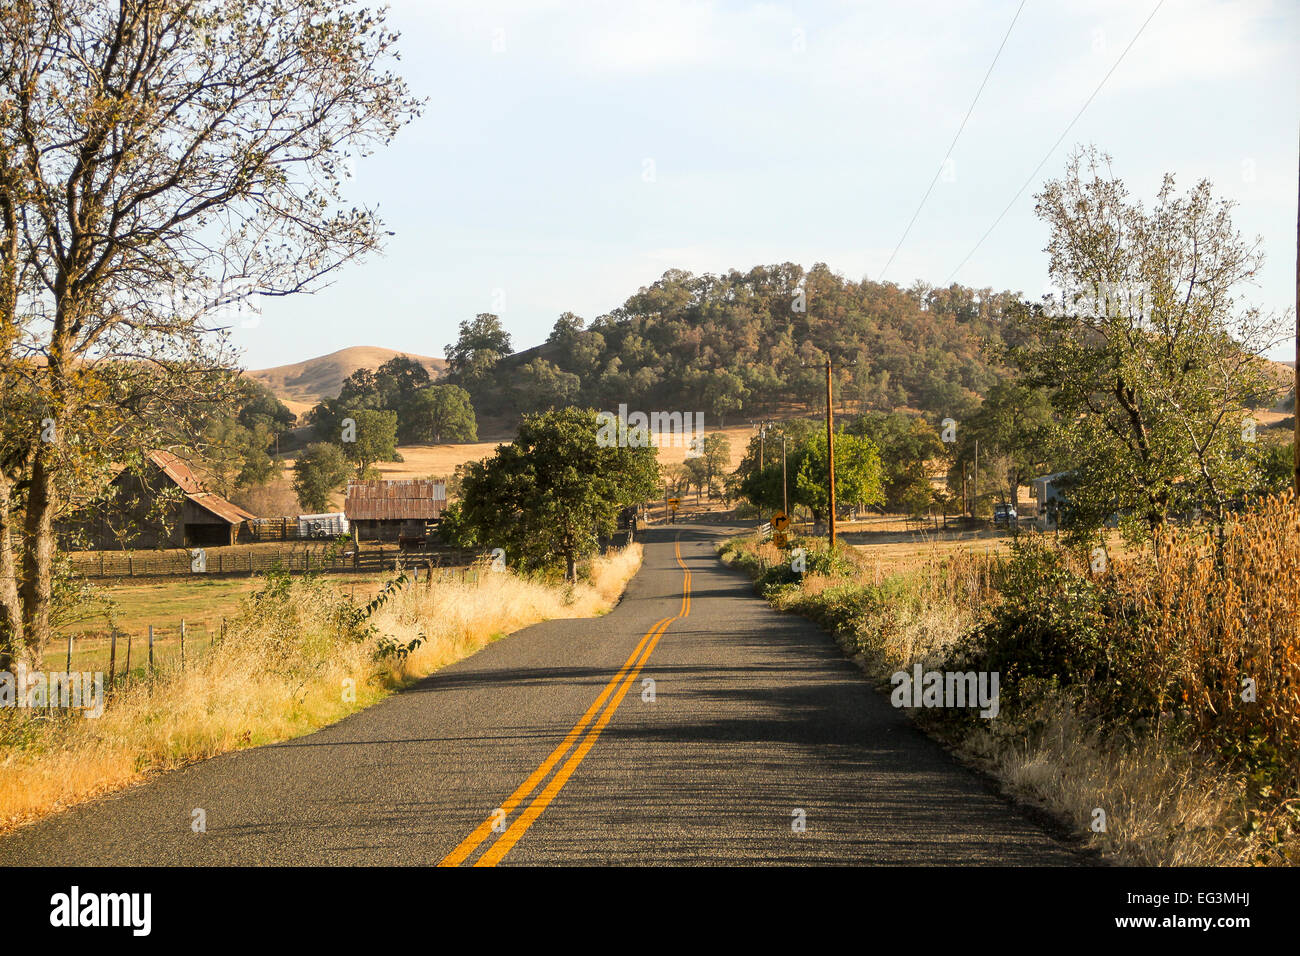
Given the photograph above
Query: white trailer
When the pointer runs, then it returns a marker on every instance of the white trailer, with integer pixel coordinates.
(322, 526)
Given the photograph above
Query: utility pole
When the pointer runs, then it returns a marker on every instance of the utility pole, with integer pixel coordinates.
(785, 493)
(830, 450)
(762, 435)
(1295, 411)
(975, 482)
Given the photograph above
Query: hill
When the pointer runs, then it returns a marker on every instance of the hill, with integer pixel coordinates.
(303, 384)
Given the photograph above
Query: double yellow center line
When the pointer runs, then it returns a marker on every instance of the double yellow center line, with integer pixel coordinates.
(610, 697)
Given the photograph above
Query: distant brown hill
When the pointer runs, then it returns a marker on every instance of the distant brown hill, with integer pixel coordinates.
(301, 385)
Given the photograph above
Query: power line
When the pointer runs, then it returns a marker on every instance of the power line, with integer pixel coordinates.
(951, 145)
(1064, 133)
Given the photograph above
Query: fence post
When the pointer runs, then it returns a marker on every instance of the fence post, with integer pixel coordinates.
(150, 648)
(101, 563)
(68, 669)
(112, 658)
(127, 671)
(182, 643)
(130, 566)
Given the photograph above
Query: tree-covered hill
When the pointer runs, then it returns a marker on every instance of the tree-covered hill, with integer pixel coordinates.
(747, 344)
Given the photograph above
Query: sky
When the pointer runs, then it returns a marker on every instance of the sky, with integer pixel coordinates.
(571, 152)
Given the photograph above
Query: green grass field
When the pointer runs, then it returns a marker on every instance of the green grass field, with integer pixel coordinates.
(201, 603)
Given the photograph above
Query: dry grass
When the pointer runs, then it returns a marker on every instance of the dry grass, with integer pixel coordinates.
(1174, 791)
(1209, 616)
(283, 670)
(1164, 805)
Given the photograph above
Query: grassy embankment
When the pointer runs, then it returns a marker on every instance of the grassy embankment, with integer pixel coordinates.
(298, 654)
(1121, 690)
(132, 606)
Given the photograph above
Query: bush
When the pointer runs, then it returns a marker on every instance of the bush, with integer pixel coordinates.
(1054, 627)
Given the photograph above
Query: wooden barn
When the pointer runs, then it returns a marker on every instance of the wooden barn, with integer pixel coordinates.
(394, 510)
(141, 515)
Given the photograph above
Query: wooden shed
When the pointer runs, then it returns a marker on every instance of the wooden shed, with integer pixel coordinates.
(389, 510)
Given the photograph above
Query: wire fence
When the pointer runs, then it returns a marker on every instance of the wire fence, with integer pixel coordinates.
(249, 561)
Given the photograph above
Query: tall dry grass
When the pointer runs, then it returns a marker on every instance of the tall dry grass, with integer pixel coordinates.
(295, 658)
(1165, 805)
(1187, 771)
(1213, 619)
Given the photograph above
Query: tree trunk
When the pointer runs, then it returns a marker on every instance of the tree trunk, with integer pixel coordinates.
(12, 643)
(38, 555)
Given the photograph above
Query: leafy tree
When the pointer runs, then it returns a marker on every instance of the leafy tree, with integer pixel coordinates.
(1149, 357)
(483, 342)
(398, 379)
(539, 385)
(859, 475)
(236, 456)
(374, 439)
(360, 389)
(716, 459)
(566, 329)
(907, 444)
(317, 474)
(1276, 467)
(762, 485)
(696, 473)
(235, 445)
(1015, 430)
(441, 413)
(547, 497)
(677, 477)
(259, 406)
(161, 163)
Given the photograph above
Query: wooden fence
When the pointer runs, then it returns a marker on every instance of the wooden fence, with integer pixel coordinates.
(218, 561)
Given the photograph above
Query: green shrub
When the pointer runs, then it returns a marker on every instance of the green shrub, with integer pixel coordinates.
(1055, 627)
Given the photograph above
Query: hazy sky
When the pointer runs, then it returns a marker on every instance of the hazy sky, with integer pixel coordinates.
(571, 152)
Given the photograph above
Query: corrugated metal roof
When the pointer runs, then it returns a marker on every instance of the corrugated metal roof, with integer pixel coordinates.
(226, 510)
(393, 500)
(177, 470)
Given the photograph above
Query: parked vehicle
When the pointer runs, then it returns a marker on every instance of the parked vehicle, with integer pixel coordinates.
(322, 526)
(1004, 514)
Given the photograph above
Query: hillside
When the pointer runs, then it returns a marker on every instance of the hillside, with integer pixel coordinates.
(736, 347)
(303, 384)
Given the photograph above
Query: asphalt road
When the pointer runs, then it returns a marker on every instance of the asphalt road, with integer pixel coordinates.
(548, 747)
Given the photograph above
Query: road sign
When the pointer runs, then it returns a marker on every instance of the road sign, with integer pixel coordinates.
(674, 502)
(780, 521)
(779, 539)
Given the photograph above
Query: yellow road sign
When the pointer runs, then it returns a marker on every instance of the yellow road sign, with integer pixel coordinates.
(780, 521)
(674, 502)
(779, 539)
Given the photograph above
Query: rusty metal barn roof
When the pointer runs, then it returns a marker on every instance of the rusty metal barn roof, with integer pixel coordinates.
(177, 469)
(228, 511)
(393, 500)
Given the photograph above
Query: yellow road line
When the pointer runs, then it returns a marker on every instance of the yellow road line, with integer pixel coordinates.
(471, 842)
(543, 799)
